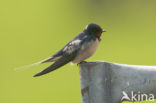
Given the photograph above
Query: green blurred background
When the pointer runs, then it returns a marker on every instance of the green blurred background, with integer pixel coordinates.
(32, 30)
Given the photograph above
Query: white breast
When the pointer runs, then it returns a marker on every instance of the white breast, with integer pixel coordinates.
(86, 51)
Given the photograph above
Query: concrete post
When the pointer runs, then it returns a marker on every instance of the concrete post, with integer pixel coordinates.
(104, 82)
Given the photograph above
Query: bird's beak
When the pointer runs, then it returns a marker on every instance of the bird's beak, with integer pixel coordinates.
(103, 30)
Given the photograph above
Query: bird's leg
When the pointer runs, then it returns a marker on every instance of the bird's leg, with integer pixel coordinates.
(81, 62)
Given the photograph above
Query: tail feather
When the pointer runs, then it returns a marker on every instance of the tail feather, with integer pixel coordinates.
(27, 66)
(47, 60)
(50, 59)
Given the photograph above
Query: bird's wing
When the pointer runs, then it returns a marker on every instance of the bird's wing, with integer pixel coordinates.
(68, 53)
(69, 48)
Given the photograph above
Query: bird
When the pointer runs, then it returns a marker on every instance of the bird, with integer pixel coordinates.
(77, 50)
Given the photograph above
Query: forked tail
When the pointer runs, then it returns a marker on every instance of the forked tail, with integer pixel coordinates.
(34, 64)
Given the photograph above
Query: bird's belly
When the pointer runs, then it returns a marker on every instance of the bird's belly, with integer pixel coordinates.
(86, 51)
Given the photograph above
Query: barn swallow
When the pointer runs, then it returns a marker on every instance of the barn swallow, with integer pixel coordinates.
(77, 50)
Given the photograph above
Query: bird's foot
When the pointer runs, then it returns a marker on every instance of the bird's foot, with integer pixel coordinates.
(81, 63)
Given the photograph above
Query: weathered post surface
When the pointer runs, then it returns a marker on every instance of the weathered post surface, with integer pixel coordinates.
(104, 82)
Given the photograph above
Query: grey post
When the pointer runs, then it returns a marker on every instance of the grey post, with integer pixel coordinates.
(104, 82)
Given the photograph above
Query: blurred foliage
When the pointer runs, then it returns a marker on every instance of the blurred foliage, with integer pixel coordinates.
(32, 30)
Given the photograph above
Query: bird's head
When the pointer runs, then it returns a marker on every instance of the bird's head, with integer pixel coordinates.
(94, 29)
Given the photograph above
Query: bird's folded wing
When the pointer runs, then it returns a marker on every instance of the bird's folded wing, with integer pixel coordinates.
(68, 53)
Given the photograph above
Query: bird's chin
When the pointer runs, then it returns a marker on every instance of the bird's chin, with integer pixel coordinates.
(98, 34)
